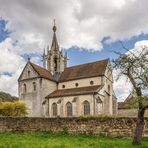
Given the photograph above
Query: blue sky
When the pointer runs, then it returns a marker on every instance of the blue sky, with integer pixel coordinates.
(79, 56)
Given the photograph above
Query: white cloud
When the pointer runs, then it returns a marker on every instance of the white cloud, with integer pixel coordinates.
(80, 23)
(11, 63)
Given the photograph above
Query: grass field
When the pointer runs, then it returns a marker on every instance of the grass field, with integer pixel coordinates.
(49, 140)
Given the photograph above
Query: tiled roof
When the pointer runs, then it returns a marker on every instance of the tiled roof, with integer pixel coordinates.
(84, 71)
(74, 91)
(42, 72)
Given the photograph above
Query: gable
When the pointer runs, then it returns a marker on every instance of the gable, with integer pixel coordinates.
(24, 75)
(35, 71)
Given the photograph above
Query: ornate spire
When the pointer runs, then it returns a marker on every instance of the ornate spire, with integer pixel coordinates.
(54, 45)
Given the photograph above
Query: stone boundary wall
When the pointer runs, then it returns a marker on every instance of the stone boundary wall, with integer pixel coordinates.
(119, 126)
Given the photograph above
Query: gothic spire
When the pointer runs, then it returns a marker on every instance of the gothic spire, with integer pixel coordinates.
(54, 45)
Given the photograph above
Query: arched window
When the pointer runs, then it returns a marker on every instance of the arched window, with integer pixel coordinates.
(55, 64)
(69, 109)
(41, 83)
(28, 74)
(63, 86)
(34, 86)
(54, 109)
(24, 88)
(86, 108)
(109, 89)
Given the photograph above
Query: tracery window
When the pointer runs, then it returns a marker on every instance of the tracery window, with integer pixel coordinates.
(69, 109)
(55, 64)
(86, 108)
(54, 109)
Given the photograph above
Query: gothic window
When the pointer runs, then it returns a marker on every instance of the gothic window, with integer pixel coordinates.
(76, 84)
(41, 83)
(63, 86)
(109, 89)
(69, 109)
(91, 82)
(34, 86)
(24, 88)
(28, 74)
(54, 109)
(86, 108)
(55, 64)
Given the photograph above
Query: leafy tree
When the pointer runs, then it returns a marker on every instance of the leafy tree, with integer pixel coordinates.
(134, 65)
(15, 108)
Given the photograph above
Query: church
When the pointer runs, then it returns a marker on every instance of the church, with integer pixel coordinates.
(56, 90)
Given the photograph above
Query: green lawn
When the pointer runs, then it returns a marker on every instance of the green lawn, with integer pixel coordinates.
(49, 140)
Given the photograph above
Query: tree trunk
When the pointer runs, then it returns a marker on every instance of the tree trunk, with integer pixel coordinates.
(139, 127)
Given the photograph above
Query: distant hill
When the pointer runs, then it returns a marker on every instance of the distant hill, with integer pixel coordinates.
(7, 97)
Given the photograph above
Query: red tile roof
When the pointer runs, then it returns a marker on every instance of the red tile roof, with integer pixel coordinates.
(42, 72)
(74, 91)
(84, 71)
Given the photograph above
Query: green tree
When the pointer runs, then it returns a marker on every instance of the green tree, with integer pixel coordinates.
(15, 108)
(134, 65)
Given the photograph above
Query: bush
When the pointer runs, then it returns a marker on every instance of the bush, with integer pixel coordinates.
(15, 108)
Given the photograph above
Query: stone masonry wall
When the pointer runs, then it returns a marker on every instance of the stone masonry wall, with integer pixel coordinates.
(104, 126)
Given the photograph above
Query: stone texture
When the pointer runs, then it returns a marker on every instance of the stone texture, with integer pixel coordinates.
(115, 127)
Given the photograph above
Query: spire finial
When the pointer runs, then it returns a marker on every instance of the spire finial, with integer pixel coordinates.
(54, 26)
(28, 58)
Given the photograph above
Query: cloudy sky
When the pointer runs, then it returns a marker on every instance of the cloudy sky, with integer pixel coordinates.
(89, 30)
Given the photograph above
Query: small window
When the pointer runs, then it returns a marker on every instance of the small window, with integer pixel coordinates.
(109, 89)
(63, 86)
(28, 74)
(24, 88)
(76, 84)
(91, 82)
(41, 83)
(34, 86)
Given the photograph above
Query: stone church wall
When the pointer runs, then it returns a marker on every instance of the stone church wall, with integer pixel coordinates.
(82, 82)
(123, 127)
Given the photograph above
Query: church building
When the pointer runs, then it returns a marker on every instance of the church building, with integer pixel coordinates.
(58, 90)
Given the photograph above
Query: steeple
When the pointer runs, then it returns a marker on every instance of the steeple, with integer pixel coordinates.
(54, 45)
(56, 61)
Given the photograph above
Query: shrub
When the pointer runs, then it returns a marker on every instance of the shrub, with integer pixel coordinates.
(15, 108)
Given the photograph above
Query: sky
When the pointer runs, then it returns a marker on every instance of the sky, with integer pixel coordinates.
(88, 30)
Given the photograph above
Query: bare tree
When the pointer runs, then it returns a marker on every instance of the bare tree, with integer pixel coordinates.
(134, 65)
